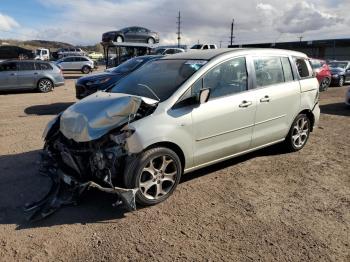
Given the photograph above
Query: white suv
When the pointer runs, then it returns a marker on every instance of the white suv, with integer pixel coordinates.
(203, 47)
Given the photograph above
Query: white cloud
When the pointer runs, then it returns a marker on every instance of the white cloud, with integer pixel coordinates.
(84, 21)
(7, 22)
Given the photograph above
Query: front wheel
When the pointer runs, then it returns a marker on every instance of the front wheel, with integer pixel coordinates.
(341, 81)
(119, 39)
(298, 133)
(156, 173)
(150, 41)
(45, 85)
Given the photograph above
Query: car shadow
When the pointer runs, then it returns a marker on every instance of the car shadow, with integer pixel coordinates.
(21, 184)
(339, 109)
(277, 149)
(51, 109)
(19, 91)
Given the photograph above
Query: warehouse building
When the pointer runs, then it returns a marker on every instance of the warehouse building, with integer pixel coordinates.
(330, 49)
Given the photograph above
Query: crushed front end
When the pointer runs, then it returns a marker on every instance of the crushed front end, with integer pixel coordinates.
(85, 148)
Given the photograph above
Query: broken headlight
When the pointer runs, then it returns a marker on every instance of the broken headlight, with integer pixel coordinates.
(49, 126)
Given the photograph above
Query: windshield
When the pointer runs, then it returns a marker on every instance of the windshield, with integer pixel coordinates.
(127, 66)
(158, 79)
(159, 51)
(196, 47)
(338, 64)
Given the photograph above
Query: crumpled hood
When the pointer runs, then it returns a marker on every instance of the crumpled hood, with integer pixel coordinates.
(94, 116)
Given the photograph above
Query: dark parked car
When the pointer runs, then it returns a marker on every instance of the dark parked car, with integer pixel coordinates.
(90, 84)
(322, 71)
(20, 74)
(340, 72)
(131, 34)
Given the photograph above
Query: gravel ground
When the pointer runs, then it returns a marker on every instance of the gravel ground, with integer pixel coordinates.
(266, 205)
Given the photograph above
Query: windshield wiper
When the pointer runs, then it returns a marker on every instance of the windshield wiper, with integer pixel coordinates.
(150, 89)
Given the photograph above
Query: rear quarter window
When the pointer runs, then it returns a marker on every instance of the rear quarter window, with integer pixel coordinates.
(303, 67)
(43, 66)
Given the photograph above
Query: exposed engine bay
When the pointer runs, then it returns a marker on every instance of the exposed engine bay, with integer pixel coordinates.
(86, 147)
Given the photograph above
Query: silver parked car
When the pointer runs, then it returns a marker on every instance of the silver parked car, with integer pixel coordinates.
(178, 114)
(27, 74)
(132, 34)
(76, 63)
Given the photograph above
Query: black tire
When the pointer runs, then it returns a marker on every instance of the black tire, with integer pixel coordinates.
(151, 41)
(86, 70)
(341, 81)
(136, 172)
(45, 85)
(324, 84)
(303, 132)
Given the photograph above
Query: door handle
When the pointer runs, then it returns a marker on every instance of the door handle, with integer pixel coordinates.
(12, 74)
(35, 73)
(265, 99)
(245, 103)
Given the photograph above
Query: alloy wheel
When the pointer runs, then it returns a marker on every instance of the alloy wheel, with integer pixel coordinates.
(45, 85)
(150, 41)
(300, 132)
(158, 177)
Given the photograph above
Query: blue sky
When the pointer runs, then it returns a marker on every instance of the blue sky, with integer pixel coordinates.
(84, 21)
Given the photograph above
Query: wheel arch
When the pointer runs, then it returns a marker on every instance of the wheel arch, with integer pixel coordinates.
(172, 146)
(310, 115)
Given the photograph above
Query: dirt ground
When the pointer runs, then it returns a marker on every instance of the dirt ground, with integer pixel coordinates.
(267, 205)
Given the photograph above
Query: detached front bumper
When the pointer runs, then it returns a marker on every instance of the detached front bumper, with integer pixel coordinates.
(66, 190)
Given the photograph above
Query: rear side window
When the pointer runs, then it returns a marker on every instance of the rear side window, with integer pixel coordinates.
(268, 71)
(26, 66)
(212, 47)
(8, 66)
(287, 69)
(304, 68)
(205, 47)
(43, 66)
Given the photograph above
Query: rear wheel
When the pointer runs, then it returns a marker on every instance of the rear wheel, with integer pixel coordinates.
(324, 84)
(156, 173)
(86, 70)
(45, 85)
(298, 133)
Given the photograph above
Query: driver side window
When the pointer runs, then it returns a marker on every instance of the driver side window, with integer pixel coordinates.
(228, 78)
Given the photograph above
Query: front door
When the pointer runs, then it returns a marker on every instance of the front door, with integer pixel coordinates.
(223, 126)
(8, 75)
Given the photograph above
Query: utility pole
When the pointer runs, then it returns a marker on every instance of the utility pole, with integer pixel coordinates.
(300, 38)
(232, 36)
(220, 43)
(178, 29)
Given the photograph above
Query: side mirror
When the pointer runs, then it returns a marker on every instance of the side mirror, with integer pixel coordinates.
(204, 95)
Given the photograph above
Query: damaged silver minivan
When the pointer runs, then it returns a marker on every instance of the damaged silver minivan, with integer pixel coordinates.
(175, 115)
